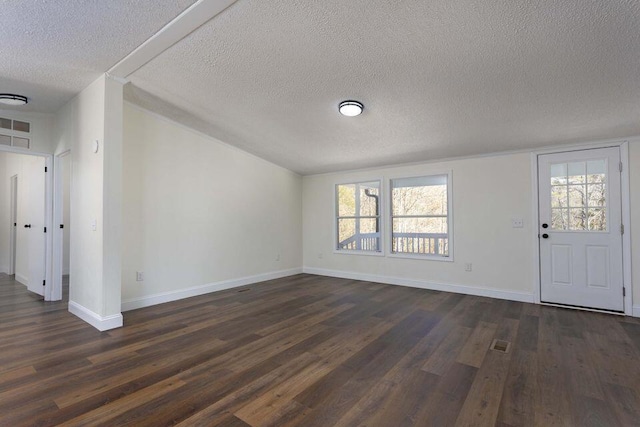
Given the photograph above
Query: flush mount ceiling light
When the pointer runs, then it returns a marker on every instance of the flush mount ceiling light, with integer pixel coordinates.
(350, 108)
(11, 99)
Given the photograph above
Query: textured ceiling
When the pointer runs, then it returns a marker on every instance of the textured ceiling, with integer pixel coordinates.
(438, 78)
(50, 50)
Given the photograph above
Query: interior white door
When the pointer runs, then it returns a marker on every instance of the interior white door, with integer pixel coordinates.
(13, 223)
(34, 171)
(581, 229)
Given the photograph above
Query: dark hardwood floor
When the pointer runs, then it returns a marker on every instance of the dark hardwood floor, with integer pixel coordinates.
(316, 351)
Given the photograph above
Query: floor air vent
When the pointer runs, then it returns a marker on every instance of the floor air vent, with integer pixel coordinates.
(499, 345)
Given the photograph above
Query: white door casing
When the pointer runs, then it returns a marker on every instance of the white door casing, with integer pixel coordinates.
(580, 219)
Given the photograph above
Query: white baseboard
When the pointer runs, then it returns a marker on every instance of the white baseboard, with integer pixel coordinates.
(163, 297)
(636, 311)
(99, 322)
(423, 284)
(22, 279)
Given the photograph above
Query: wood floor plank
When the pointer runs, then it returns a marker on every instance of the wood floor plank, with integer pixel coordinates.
(625, 403)
(444, 406)
(476, 347)
(445, 355)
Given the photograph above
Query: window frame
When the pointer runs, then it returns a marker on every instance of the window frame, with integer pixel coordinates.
(381, 219)
(391, 253)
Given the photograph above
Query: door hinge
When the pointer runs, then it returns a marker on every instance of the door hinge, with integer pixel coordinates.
(45, 168)
(61, 225)
(44, 282)
(621, 228)
(620, 166)
(45, 229)
(624, 292)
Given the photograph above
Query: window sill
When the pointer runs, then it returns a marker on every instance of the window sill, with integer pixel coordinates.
(350, 252)
(422, 257)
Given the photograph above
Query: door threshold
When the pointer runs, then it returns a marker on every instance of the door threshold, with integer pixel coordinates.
(579, 307)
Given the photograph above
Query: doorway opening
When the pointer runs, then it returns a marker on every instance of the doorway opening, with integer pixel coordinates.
(23, 209)
(62, 226)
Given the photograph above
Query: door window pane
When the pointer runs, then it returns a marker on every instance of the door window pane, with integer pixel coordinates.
(559, 219)
(597, 220)
(578, 219)
(577, 172)
(559, 196)
(596, 195)
(577, 196)
(559, 174)
(596, 171)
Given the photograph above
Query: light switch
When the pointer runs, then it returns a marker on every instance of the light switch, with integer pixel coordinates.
(94, 224)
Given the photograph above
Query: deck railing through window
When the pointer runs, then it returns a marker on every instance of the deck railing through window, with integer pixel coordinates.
(420, 243)
(403, 243)
(361, 242)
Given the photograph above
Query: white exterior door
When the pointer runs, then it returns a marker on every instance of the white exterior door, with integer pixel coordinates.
(580, 228)
(34, 171)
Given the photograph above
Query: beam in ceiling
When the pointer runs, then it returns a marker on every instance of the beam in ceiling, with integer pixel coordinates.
(181, 26)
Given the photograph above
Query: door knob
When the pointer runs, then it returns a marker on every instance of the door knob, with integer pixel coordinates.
(27, 226)
(545, 225)
(545, 236)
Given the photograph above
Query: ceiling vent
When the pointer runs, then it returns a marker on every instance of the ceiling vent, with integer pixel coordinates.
(15, 133)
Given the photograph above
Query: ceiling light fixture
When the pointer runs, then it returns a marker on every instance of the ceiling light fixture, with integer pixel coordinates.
(11, 99)
(350, 108)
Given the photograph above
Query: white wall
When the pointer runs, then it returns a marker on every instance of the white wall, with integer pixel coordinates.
(487, 193)
(94, 114)
(198, 212)
(25, 167)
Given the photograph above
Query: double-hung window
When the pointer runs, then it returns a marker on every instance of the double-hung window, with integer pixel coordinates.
(420, 216)
(358, 216)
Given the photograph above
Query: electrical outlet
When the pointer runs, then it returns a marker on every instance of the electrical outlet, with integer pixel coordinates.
(139, 276)
(468, 267)
(517, 223)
